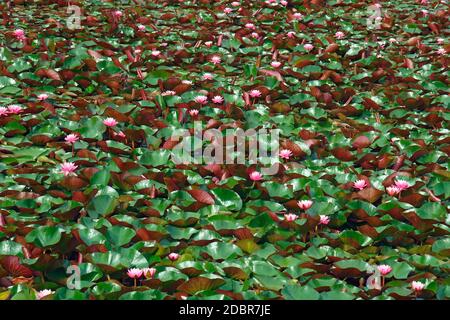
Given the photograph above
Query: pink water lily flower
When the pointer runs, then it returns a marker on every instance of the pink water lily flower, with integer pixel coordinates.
(3, 111)
(208, 43)
(215, 59)
(118, 13)
(339, 35)
(255, 93)
(149, 272)
(201, 99)
(442, 51)
(42, 97)
(290, 217)
(188, 82)
(440, 40)
(193, 112)
(360, 184)
(134, 273)
(15, 109)
(168, 93)
(308, 47)
(255, 176)
(393, 190)
(304, 204)
(110, 122)
(250, 26)
(19, 34)
(68, 168)
(207, 76)
(227, 10)
(401, 184)
(217, 99)
(235, 4)
(173, 256)
(417, 286)
(297, 16)
(141, 27)
(155, 53)
(275, 64)
(384, 269)
(324, 219)
(285, 154)
(254, 35)
(71, 138)
(291, 34)
(43, 293)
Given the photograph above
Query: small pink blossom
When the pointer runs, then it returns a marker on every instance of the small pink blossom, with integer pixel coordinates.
(168, 93)
(291, 34)
(393, 190)
(255, 93)
(305, 204)
(155, 53)
(71, 138)
(217, 99)
(339, 35)
(149, 272)
(440, 40)
(284, 2)
(360, 184)
(384, 269)
(417, 286)
(208, 43)
(188, 82)
(290, 217)
(401, 184)
(308, 47)
(441, 51)
(215, 59)
(119, 134)
(285, 154)
(297, 16)
(235, 4)
(14, 109)
(254, 35)
(193, 112)
(250, 26)
(118, 14)
(227, 10)
(255, 176)
(173, 256)
(324, 219)
(110, 122)
(42, 97)
(207, 76)
(201, 99)
(275, 64)
(19, 33)
(424, 12)
(141, 27)
(68, 168)
(43, 293)
(135, 273)
(3, 111)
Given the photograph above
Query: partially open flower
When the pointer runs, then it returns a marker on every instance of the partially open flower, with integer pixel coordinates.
(360, 184)
(215, 59)
(417, 286)
(384, 269)
(134, 273)
(290, 217)
(324, 219)
(207, 76)
(110, 122)
(305, 204)
(401, 184)
(149, 272)
(255, 93)
(339, 35)
(14, 109)
(193, 112)
(68, 168)
(255, 176)
(275, 64)
(201, 99)
(217, 99)
(71, 138)
(392, 190)
(285, 154)
(42, 97)
(308, 47)
(43, 293)
(173, 256)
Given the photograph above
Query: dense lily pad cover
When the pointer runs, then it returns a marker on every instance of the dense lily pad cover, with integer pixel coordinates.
(92, 205)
